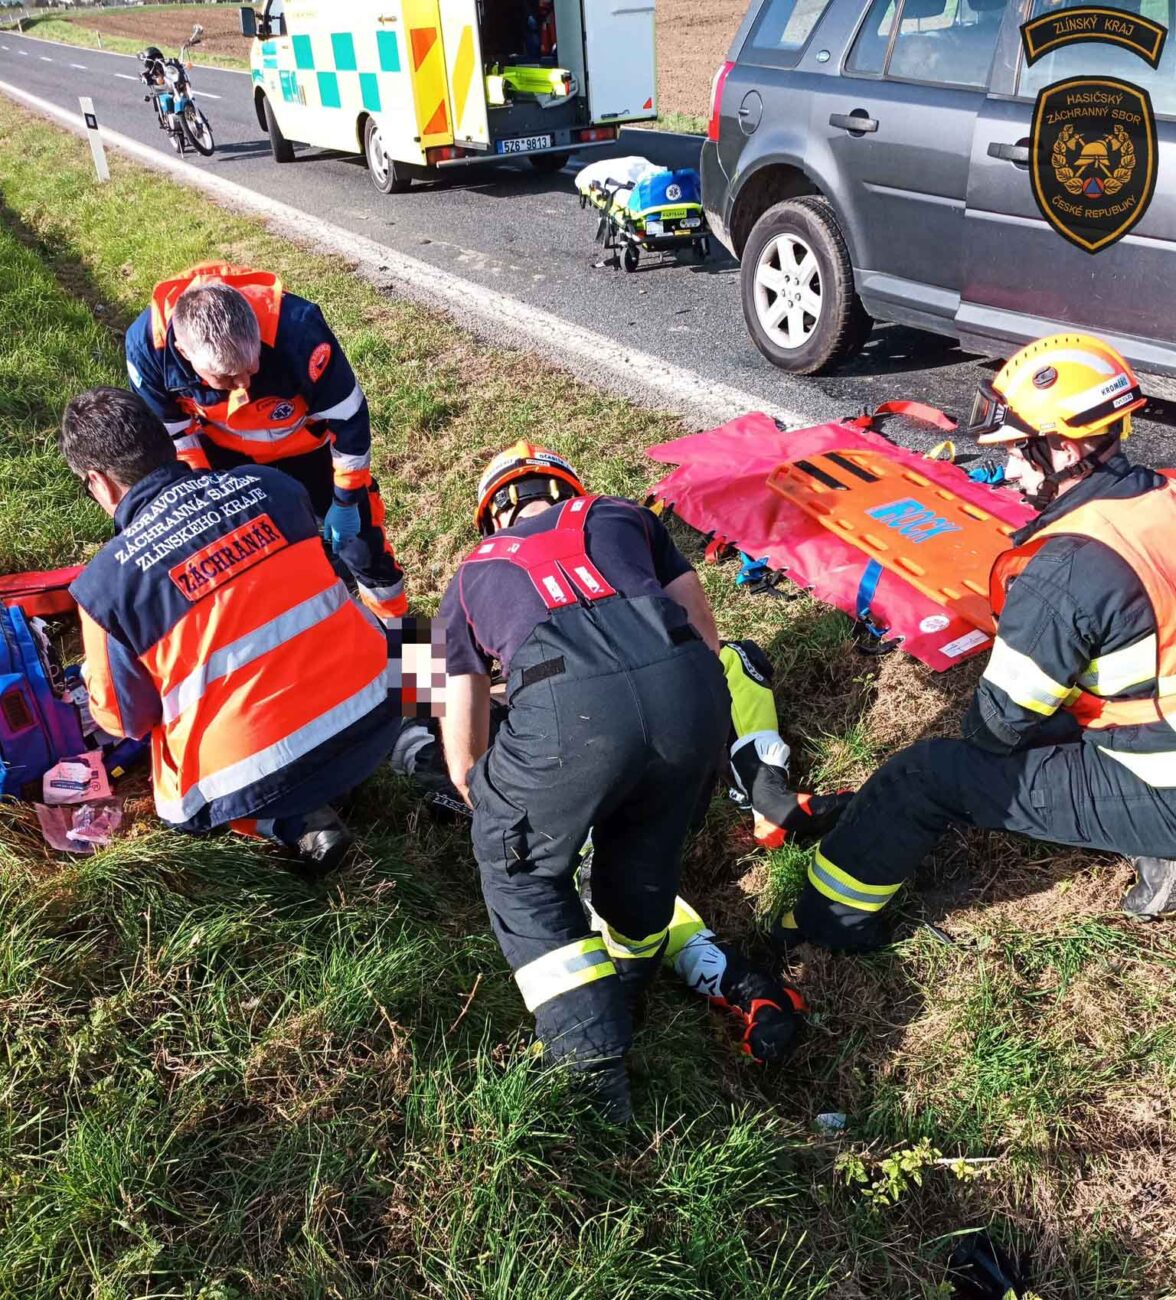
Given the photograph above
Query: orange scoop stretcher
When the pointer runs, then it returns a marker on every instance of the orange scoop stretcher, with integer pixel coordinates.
(943, 545)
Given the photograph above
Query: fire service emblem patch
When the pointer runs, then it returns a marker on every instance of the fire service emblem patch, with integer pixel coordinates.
(1093, 158)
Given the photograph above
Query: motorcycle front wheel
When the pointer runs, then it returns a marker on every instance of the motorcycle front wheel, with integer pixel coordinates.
(198, 130)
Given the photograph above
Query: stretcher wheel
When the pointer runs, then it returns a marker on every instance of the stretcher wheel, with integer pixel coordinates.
(632, 257)
(702, 249)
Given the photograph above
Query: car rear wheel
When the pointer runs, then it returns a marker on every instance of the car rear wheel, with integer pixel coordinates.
(797, 288)
(388, 176)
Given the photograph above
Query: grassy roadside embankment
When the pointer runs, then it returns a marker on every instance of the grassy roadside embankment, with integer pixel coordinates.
(218, 1084)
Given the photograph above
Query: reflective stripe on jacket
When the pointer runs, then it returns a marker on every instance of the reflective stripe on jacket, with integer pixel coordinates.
(214, 621)
(1139, 530)
(304, 394)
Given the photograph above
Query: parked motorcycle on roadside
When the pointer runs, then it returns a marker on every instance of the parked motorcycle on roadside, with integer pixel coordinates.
(171, 94)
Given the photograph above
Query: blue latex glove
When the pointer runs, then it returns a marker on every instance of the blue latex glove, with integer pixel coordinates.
(341, 524)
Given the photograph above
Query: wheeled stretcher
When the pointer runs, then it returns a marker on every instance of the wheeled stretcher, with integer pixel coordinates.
(645, 208)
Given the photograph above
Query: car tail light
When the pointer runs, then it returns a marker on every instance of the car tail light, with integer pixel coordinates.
(597, 133)
(712, 130)
(443, 153)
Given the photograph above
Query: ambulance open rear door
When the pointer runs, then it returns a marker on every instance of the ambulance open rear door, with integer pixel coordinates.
(621, 58)
(463, 64)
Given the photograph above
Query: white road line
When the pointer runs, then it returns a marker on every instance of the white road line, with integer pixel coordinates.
(126, 76)
(114, 54)
(585, 352)
(46, 59)
(81, 67)
(207, 94)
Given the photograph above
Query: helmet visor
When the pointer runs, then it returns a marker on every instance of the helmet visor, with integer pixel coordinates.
(987, 420)
(994, 421)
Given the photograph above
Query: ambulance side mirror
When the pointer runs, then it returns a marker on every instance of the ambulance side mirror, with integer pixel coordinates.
(248, 21)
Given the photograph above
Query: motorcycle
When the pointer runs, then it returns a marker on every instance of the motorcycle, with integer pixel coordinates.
(171, 94)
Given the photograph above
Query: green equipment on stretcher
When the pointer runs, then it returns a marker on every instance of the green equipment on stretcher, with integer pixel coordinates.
(548, 86)
(645, 208)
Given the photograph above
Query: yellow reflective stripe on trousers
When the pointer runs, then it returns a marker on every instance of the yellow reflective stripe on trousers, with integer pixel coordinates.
(841, 887)
(626, 949)
(1157, 769)
(1120, 670)
(1023, 681)
(561, 971)
(752, 705)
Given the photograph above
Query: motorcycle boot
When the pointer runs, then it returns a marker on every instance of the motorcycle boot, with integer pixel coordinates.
(1154, 892)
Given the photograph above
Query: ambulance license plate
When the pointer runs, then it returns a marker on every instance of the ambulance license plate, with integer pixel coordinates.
(525, 144)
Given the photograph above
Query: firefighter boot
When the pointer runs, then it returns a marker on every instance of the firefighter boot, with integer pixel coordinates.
(1154, 892)
(606, 1086)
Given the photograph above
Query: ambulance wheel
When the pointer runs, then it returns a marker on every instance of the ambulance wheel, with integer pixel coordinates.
(796, 283)
(632, 257)
(388, 176)
(546, 163)
(280, 147)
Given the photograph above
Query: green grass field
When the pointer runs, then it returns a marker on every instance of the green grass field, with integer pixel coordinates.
(218, 1083)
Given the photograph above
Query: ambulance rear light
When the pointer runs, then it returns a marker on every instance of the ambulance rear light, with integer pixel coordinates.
(712, 130)
(444, 153)
(594, 134)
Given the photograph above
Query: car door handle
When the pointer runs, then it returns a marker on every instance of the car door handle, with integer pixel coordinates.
(1014, 153)
(855, 121)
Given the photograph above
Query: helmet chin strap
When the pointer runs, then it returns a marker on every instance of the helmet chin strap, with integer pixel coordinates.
(1038, 454)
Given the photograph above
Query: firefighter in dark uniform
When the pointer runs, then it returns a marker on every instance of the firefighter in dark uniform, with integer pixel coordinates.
(241, 372)
(1071, 734)
(617, 717)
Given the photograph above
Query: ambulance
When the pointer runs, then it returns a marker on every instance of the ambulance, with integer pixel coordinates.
(419, 85)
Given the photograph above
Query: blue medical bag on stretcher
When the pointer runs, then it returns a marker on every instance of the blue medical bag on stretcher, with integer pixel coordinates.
(666, 190)
(38, 725)
(645, 208)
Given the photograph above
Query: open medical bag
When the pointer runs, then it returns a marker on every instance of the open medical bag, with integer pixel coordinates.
(39, 723)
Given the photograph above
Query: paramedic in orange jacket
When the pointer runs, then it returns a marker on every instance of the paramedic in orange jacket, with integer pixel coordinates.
(241, 372)
(1071, 735)
(214, 622)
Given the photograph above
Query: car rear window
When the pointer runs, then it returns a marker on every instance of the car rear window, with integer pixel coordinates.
(944, 42)
(1104, 60)
(782, 31)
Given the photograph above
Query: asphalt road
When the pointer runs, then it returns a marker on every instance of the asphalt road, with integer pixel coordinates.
(505, 227)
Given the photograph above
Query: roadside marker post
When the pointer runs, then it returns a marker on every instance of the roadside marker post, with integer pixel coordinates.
(97, 148)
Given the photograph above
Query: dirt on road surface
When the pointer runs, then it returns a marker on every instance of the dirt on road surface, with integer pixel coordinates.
(692, 40)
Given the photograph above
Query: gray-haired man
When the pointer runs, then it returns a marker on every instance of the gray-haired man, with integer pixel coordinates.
(241, 371)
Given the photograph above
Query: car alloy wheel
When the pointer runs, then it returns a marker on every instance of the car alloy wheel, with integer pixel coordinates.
(788, 291)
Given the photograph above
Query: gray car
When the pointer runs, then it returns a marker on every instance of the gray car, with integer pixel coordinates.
(871, 161)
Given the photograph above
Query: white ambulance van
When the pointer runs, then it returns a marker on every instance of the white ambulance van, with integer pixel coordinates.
(416, 85)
